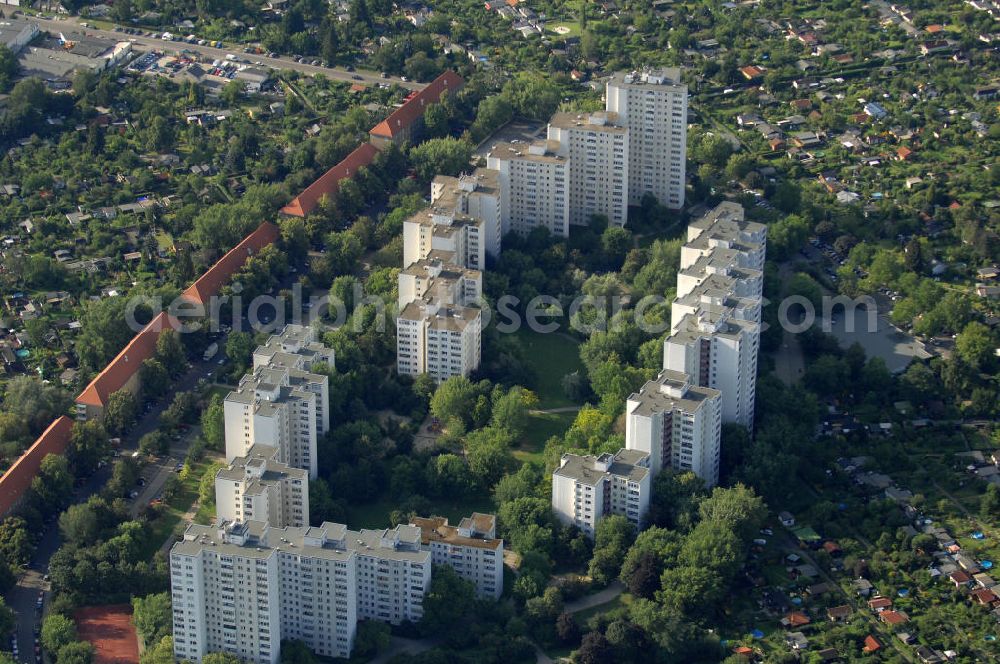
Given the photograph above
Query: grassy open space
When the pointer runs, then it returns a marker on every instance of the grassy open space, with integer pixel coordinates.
(564, 29)
(541, 427)
(164, 242)
(166, 524)
(376, 515)
(552, 357)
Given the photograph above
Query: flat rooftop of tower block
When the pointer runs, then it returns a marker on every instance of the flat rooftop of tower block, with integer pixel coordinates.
(485, 180)
(584, 468)
(644, 78)
(596, 121)
(542, 152)
(436, 529)
(450, 318)
(654, 396)
(723, 325)
(718, 261)
(435, 268)
(727, 218)
(332, 541)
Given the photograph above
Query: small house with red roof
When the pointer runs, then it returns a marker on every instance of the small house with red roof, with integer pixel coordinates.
(795, 619)
(891, 617)
(879, 603)
(871, 644)
(960, 578)
(985, 596)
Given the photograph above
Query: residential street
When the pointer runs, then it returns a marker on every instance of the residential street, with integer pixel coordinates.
(23, 597)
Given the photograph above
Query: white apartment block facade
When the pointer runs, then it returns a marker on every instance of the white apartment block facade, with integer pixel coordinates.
(476, 195)
(598, 149)
(722, 264)
(435, 278)
(534, 183)
(463, 225)
(678, 425)
(457, 236)
(652, 104)
(257, 487)
(438, 339)
(242, 588)
(297, 348)
(279, 404)
(716, 318)
(439, 324)
(471, 549)
(585, 489)
(724, 227)
(719, 351)
(234, 591)
(716, 292)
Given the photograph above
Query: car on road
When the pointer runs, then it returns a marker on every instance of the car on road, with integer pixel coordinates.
(384, 75)
(403, 79)
(133, 494)
(178, 467)
(221, 361)
(358, 78)
(349, 67)
(142, 481)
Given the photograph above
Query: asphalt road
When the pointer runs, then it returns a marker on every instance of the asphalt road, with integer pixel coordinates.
(141, 43)
(24, 596)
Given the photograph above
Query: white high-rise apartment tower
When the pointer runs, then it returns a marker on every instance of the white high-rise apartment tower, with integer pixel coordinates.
(585, 489)
(598, 151)
(724, 227)
(715, 320)
(242, 588)
(653, 105)
(534, 182)
(281, 404)
(471, 549)
(257, 487)
(677, 424)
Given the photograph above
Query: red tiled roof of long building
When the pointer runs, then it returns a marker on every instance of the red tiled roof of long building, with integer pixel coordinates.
(218, 275)
(414, 107)
(329, 183)
(18, 477)
(121, 369)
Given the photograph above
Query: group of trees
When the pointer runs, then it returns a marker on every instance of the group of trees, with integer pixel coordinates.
(29, 406)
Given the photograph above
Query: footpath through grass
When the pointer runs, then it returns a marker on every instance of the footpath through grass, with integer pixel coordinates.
(168, 522)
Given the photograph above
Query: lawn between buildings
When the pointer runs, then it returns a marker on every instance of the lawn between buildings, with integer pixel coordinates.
(552, 357)
(168, 522)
